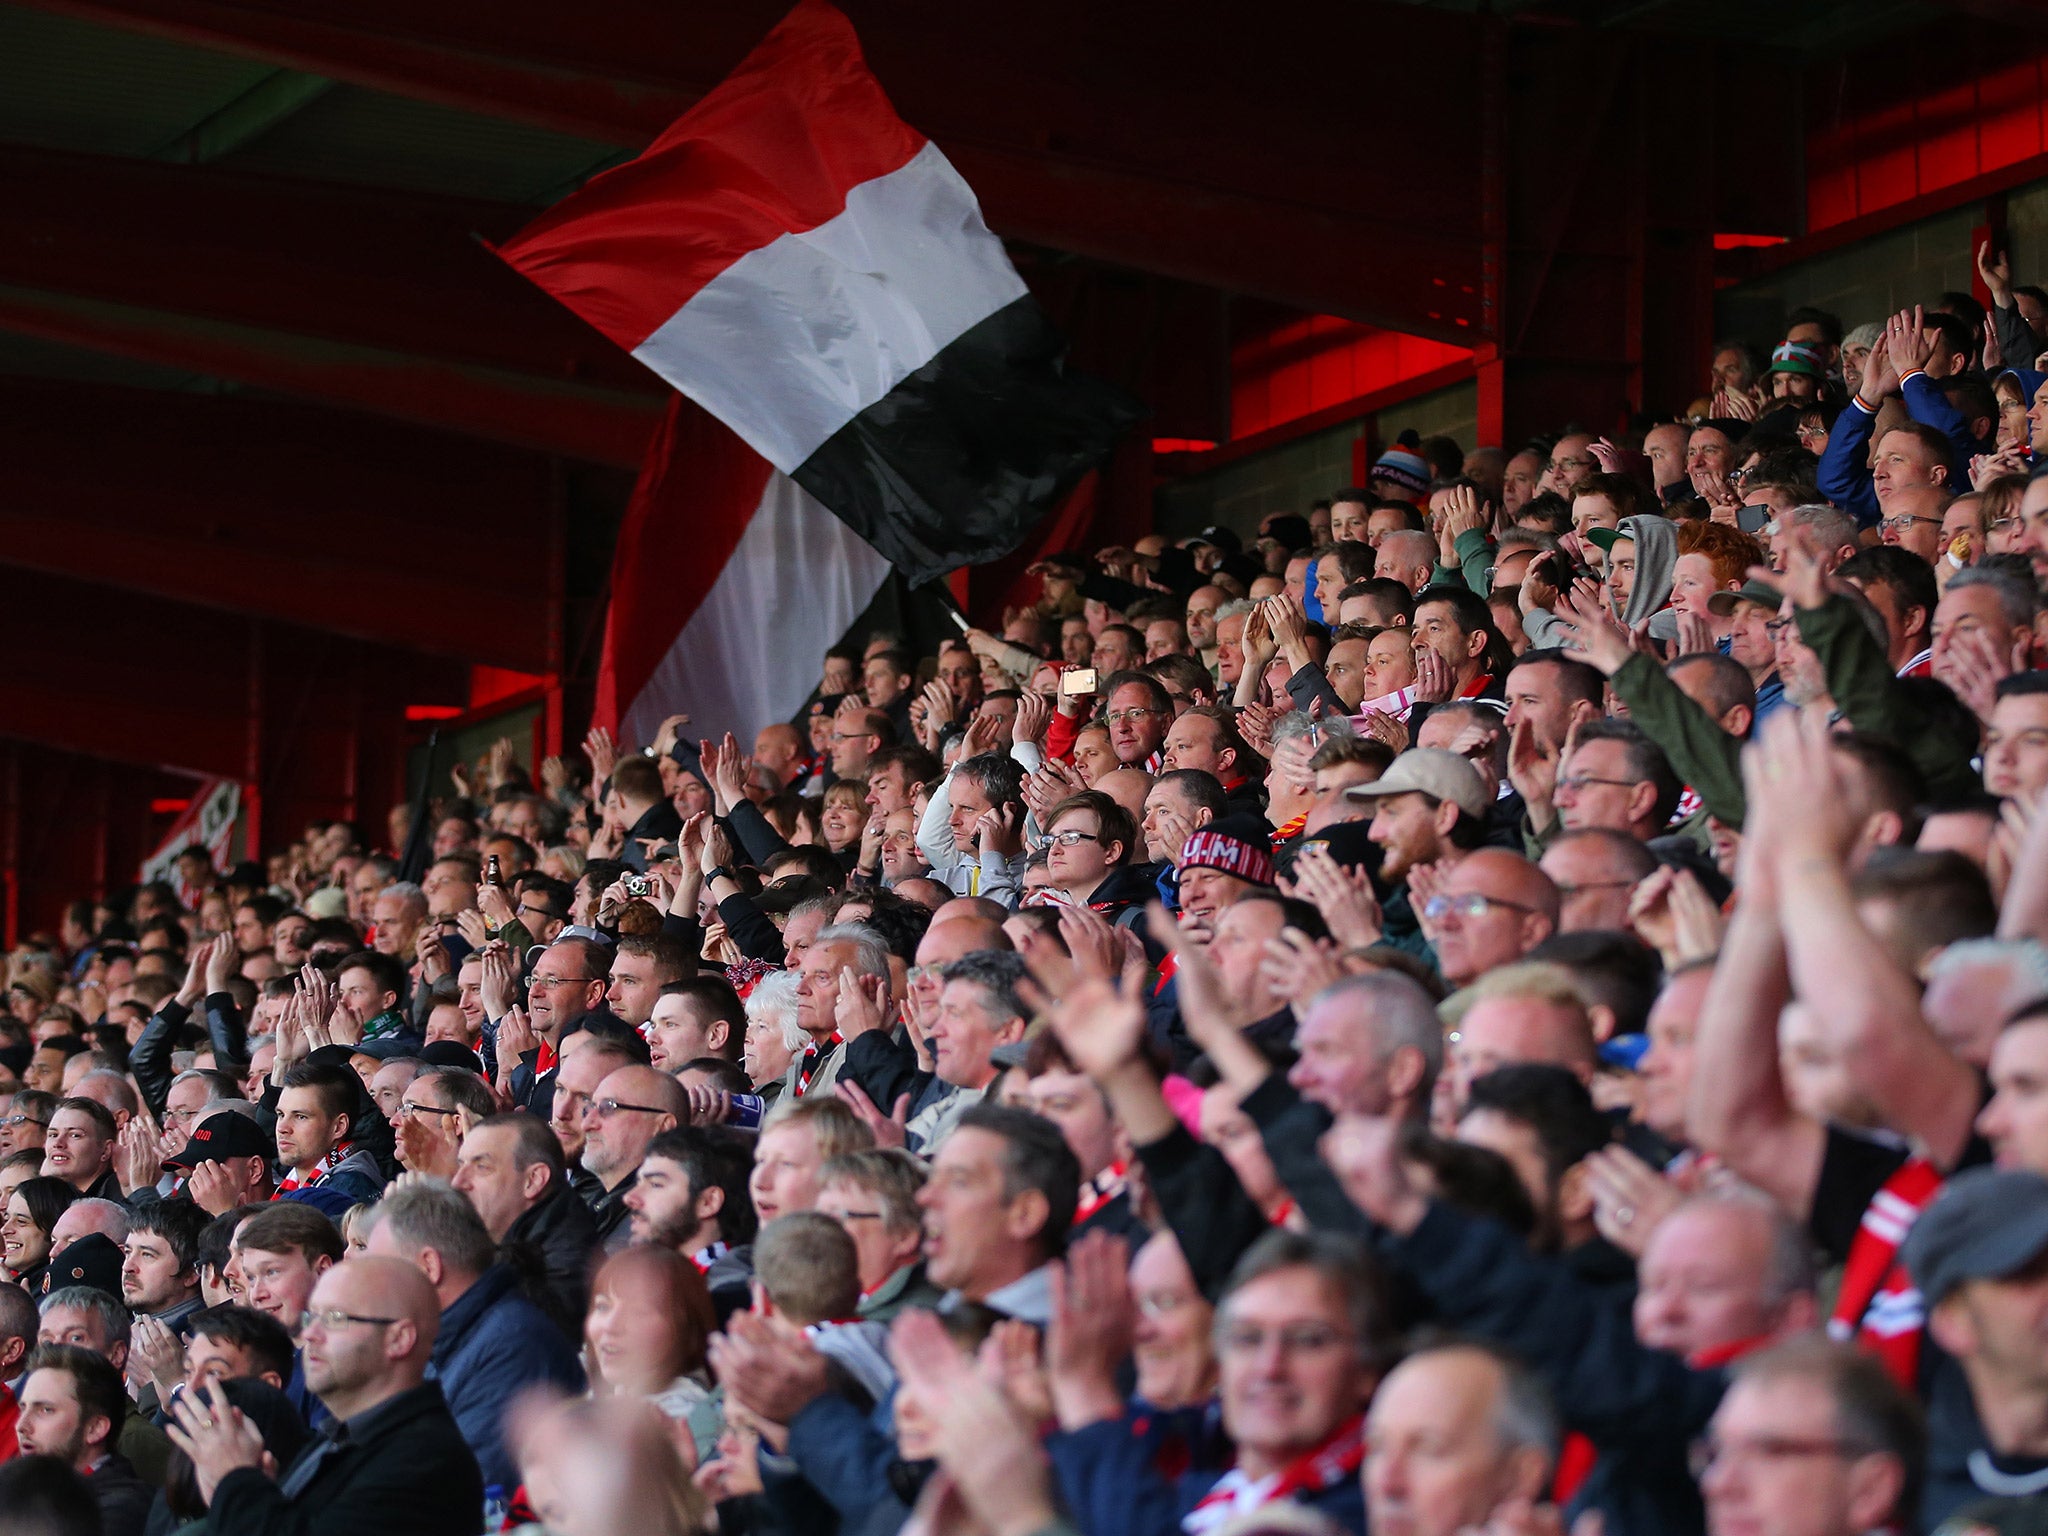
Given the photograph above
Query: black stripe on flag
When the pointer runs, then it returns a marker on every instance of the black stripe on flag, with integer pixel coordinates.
(956, 464)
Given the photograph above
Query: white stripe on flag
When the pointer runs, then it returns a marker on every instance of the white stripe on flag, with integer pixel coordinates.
(749, 655)
(794, 340)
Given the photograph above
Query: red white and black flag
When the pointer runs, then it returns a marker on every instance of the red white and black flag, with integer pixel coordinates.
(811, 270)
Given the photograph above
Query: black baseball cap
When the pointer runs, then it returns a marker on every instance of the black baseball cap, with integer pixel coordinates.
(221, 1136)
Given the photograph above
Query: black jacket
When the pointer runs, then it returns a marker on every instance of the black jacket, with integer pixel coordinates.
(557, 1239)
(660, 822)
(123, 1497)
(608, 1209)
(401, 1469)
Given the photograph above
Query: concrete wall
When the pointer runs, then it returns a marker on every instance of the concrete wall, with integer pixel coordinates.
(1289, 477)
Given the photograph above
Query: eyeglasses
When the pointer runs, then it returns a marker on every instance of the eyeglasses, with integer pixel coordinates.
(407, 1111)
(604, 1109)
(1557, 464)
(918, 974)
(1300, 1339)
(1156, 1304)
(1906, 520)
(1070, 837)
(859, 1215)
(1119, 716)
(8, 1120)
(1593, 885)
(334, 1317)
(557, 981)
(1704, 1455)
(541, 913)
(1808, 433)
(1579, 781)
(1472, 905)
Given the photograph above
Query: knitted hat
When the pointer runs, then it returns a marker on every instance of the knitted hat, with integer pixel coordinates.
(1864, 336)
(1233, 849)
(1402, 465)
(1797, 357)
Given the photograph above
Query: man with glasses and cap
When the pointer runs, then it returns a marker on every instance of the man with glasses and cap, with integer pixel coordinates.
(393, 1460)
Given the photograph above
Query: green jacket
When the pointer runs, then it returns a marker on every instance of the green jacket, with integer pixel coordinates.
(1871, 698)
(1475, 557)
(1700, 752)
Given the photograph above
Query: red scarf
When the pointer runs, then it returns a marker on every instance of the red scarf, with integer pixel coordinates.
(1099, 1191)
(707, 1256)
(1878, 1305)
(321, 1169)
(1282, 835)
(1336, 1460)
(814, 1053)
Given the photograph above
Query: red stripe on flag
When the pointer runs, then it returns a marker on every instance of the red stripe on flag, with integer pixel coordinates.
(697, 491)
(772, 151)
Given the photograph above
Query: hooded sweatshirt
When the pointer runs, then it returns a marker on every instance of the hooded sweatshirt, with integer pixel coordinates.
(1656, 541)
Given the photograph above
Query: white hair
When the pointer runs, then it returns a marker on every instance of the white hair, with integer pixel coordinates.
(773, 1001)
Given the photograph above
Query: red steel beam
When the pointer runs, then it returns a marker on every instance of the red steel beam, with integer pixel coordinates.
(278, 510)
(396, 270)
(603, 426)
(1110, 162)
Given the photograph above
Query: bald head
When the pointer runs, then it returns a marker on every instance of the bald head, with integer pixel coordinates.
(1505, 876)
(949, 938)
(1128, 788)
(644, 1085)
(353, 1366)
(1496, 907)
(971, 906)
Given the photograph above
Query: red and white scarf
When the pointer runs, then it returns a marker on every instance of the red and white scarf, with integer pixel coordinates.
(1335, 1461)
(814, 1053)
(297, 1179)
(1099, 1191)
(1878, 1305)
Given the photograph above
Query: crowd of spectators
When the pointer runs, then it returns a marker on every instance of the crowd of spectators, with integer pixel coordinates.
(1512, 999)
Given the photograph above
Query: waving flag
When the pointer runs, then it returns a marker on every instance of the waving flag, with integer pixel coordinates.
(811, 270)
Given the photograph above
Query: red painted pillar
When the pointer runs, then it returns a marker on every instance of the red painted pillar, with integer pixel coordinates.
(252, 758)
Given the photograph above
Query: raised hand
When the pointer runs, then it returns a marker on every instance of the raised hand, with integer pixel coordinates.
(1629, 1197)
(516, 1037)
(1996, 270)
(603, 753)
(1434, 680)
(889, 1130)
(1695, 634)
(500, 982)
(1344, 896)
(862, 1004)
(1295, 967)
(1880, 376)
(1974, 667)
(1907, 341)
(1000, 829)
(1255, 725)
(1093, 1322)
(1383, 727)
(1095, 945)
(1102, 1025)
(1034, 714)
(138, 1157)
